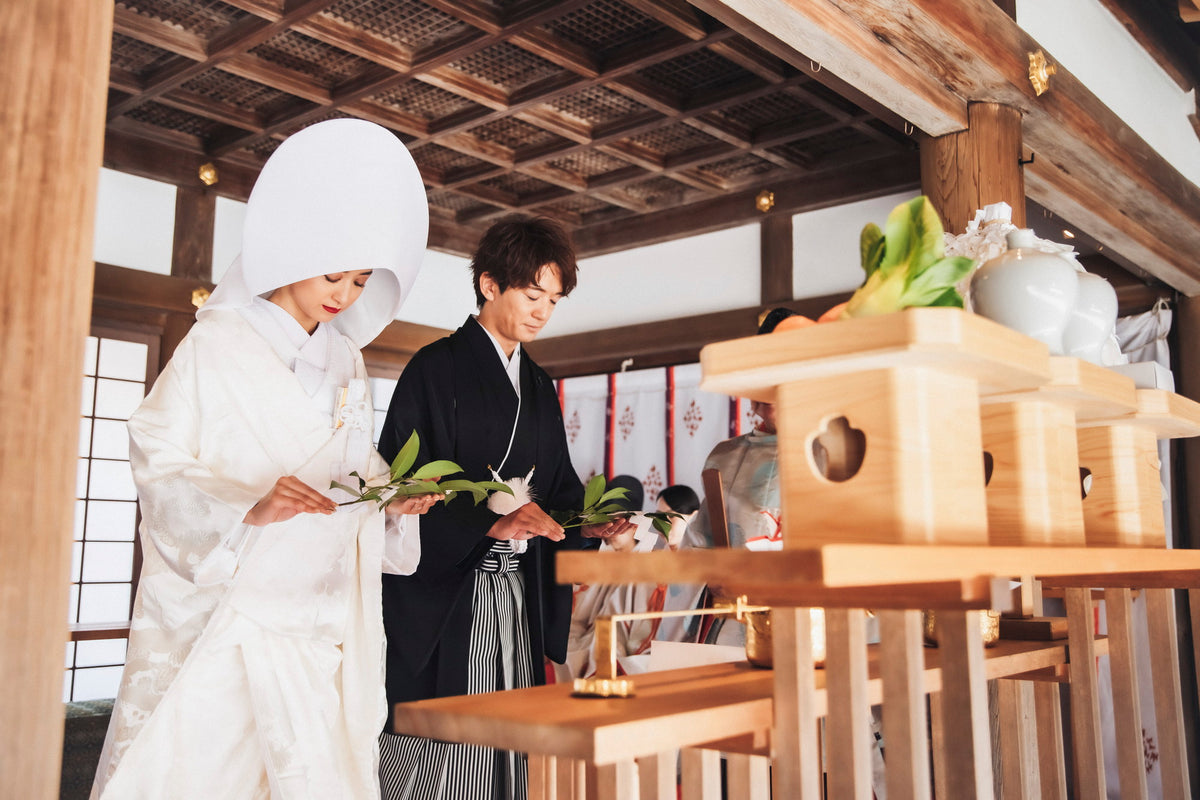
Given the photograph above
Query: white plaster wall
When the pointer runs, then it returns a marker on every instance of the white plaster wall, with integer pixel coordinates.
(825, 244)
(711, 272)
(227, 235)
(443, 295)
(135, 222)
(1088, 41)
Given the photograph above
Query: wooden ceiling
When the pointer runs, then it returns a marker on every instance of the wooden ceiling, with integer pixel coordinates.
(630, 121)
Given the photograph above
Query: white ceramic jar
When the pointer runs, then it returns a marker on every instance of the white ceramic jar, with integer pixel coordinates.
(1027, 290)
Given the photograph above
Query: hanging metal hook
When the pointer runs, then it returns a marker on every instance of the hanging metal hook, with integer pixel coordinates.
(814, 66)
(909, 128)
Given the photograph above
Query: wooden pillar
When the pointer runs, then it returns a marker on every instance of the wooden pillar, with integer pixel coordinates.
(964, 171)
(195, 219)
(54, 59)
(776, 264)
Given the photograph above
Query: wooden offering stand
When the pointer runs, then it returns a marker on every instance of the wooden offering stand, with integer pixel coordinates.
(883, 425)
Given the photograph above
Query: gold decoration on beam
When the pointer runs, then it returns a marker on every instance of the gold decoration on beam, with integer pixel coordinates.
(208, 173)
(765, 201)
(200, 296)
(1040, 71)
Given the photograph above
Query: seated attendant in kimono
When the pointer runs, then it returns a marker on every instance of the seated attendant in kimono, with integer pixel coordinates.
(255, 651)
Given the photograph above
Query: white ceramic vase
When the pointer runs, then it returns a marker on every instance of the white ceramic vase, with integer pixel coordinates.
(1093, 319)
(1027, 290)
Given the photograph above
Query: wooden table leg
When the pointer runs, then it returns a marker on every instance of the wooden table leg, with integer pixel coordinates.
(902, 670)
(656, 776)
(541, 777)
(1052, 764)
(609, 781)
(747, 777)
(570, 779)
(1085, 698)
(797, 772)
(964, 707)
(1168, 699)
(1127, 711)
(937, 745)
(847, 725)
(701, 774)
(1018, 741)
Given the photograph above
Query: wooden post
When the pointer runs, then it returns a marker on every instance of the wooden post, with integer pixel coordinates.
(902, 669)
(967, 170)
(1085, 695)
(54, 59)
(776, 266)
(964, 709)
(797, 771)
(195, 219)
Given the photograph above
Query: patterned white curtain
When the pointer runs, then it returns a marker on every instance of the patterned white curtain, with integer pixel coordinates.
(661, 428)
(585, 404)
(639, 429)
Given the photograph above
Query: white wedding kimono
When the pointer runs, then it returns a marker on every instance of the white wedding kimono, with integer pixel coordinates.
(255, 654)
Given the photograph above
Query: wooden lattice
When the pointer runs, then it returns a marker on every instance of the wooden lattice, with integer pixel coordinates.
(597, 106)
(222, 87)
(136, 57)
(412, 25)
(605, 26)
(203, 18)
(423, 100)
(325, 65)
(514, 134)
(506, 67)
(589, 111)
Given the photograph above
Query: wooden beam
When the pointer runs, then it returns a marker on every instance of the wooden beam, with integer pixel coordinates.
(657, 344)
(929, 61)
(54, 57)
(816, 190)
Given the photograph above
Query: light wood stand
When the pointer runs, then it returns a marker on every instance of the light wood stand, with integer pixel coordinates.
(911, 527)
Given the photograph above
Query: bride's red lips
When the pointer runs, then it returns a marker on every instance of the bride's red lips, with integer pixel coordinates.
(331, 310)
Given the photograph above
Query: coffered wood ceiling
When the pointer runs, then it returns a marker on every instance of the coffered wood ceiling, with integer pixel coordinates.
(629, 121)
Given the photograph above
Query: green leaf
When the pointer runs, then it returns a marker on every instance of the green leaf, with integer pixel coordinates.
(662, 526)
(931, 283)
(407, 456)
(342, 486)
(870, 248)
(949, 298)
(437, 469)
(594, 490)
(495, 486)
(619, 493)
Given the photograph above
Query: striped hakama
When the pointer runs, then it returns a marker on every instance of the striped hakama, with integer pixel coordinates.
(416, 768)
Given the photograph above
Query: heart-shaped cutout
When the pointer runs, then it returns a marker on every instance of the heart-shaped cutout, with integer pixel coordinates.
(838, 450)
(989, 464)
(1085, 482)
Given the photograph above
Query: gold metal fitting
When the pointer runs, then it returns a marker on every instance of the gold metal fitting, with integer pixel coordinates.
(765, 200)
(606, 683)
(1040, 71)
(200, 296)
(208, 173)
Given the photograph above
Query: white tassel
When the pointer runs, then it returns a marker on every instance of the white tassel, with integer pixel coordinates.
(503, 503)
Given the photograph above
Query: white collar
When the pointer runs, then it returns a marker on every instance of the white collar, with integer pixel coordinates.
(512, 364)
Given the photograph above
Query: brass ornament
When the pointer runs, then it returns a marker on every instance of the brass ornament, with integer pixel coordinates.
(208, 173)
(1040, 71)
(765, 201)
(200, 296)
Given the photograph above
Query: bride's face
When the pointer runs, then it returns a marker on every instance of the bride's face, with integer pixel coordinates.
(322, 298)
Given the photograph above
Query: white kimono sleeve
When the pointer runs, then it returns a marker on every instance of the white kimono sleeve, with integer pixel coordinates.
(192, 516)
(401, 543)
